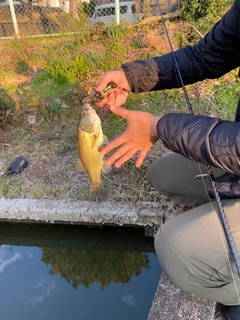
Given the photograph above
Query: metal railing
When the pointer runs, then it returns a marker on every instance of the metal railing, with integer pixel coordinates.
(24, 18)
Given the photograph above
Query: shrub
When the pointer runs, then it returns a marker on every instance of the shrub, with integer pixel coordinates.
(194, 10)
(6, 103)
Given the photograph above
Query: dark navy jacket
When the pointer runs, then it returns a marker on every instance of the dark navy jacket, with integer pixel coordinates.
(199, 138)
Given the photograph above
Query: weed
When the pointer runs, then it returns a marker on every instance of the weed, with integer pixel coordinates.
(55, 107)
(11, 187)
(45, 86)
(74, 70)
(116, 31)
(21, 67)
(200, 8)
(6, 102)
(43, 123)
(67, 69)
(78, 68)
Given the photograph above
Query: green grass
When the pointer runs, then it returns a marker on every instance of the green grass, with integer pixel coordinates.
(45, 86)
(12, 188)
(66, 70)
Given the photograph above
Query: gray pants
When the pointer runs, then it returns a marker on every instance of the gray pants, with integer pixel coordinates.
(192, 248)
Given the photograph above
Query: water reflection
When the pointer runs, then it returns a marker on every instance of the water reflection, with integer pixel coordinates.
(73, 273)
(86, 267)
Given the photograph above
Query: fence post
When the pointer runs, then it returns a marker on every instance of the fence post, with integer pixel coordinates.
(14, 19)
(117, 11)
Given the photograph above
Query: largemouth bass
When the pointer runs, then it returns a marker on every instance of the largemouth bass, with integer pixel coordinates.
(90, 143)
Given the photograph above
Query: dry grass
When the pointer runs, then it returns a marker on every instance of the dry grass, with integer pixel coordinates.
(157, 40)
(50, 146)
(52, 154)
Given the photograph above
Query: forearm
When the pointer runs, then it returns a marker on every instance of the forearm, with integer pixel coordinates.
(216, 54)
(202, 139)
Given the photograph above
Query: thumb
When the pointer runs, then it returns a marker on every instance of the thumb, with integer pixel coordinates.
(104, 81)
(101, 85)
(119, 111)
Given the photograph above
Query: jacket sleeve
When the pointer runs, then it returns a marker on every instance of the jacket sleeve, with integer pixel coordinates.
(216, 54)
(203, 139)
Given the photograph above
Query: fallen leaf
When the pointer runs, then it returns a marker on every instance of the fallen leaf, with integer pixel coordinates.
(25, 147)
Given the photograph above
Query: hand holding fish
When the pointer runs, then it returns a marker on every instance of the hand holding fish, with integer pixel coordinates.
(139, 136)
(118, 95)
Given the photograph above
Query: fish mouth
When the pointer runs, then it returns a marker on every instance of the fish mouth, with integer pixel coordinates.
(89, 121)
(86, 107)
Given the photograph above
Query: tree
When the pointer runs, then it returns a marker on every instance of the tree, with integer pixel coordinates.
(84, 267)
(73, 9)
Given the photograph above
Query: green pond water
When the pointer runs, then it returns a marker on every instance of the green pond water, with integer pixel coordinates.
(58, 272)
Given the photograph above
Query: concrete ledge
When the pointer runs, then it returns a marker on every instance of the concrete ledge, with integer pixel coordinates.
(171, 303)
(80, 212)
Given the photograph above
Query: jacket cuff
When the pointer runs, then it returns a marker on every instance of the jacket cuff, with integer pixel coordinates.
(142, 75)
(188, 135)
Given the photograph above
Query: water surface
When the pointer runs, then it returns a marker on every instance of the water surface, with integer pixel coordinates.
(71, 273)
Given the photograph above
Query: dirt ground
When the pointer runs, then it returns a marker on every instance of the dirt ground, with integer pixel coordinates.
(50, 147)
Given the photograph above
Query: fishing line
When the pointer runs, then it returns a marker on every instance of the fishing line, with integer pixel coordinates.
(220, 231)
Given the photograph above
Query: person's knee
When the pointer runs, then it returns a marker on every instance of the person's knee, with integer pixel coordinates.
(173, 258)
(165, 250)
(154, 175)
(186, 268)
(161, 174)
(150, 175)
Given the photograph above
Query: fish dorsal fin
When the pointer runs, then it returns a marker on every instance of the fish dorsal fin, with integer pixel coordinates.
(79, 167)
(106, 167)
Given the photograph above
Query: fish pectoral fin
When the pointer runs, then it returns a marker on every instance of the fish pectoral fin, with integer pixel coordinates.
(106, 167)
(94, 141)
(79, 167)
(105, 140)
(100, 147)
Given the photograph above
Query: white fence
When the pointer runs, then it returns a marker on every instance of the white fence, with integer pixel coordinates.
(21, 18)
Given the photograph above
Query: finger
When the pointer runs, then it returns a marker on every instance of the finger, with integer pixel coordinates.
(113, 144)
(102, 104)
(111, 98)
(127, 156)
(104, 81)
(121, 99)
(119, 111)
(141, 158)
(106, 108)
(118, 154)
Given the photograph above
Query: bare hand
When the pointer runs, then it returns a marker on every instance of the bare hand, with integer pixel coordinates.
(139, 136)
(117, 96)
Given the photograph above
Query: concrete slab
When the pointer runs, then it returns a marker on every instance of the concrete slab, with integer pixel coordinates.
(80, 212)
(171, 303)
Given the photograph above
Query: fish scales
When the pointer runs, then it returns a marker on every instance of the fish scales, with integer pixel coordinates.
(90, 143)
(90, 156)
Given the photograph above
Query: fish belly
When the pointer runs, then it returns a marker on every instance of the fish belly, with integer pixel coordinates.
(92, 161)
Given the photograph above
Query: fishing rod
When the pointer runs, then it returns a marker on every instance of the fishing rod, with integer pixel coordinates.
(210, 173)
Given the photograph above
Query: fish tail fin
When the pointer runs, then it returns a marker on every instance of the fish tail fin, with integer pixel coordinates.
(98, 192)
